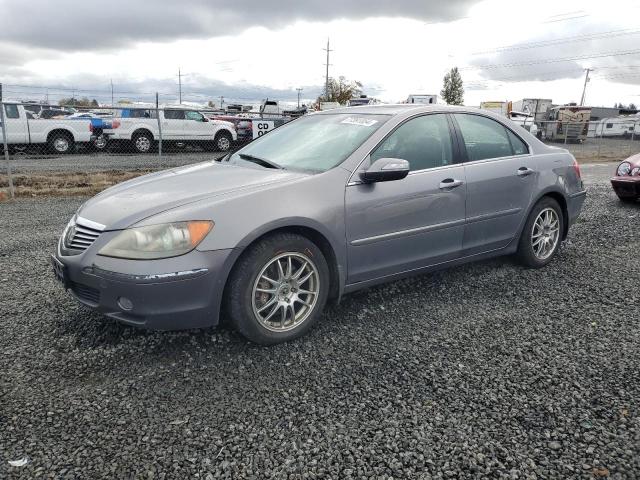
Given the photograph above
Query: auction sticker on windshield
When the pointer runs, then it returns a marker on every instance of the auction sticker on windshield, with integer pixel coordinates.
(363, 122)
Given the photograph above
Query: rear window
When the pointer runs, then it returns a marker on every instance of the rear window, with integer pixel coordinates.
(11, 111)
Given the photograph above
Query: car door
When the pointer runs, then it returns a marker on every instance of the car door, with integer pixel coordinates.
(500, 174)
(173, 126)
(196, 128)
(407, 224)
(16, 130)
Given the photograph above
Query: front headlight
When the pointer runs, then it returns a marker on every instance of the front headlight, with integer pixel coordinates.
(623, 169)
(157, 241)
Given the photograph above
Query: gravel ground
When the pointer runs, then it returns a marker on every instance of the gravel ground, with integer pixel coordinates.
(97, 162)
(482, 371)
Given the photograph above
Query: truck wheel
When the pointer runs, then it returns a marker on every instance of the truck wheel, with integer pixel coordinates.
(100, 143)
(223, 141)
(60, 143)
(142, 142)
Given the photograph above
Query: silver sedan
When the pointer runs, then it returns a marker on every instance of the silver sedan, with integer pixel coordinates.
(325, 205)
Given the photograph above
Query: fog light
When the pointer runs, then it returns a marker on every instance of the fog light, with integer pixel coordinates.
(124, 303)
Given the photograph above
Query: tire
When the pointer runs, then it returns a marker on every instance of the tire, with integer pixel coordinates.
(143, 142)
(253, 304)
(60, 143)
(223, 141)
(540, 241)
(101, 143)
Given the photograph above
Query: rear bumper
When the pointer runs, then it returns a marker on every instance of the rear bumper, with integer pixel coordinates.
(627, 187)
(187, 296)
(574, 205)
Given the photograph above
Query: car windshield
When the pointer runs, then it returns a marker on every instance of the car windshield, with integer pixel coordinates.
(313, 143)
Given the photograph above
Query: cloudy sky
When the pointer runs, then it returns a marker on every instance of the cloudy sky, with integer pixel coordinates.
(252, 49)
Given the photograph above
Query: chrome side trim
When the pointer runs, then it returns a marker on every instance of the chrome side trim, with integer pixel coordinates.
(90, 224)
(406, 233)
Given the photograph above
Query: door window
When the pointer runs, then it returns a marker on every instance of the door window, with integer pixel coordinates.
(486, 138)
(518, 146)
(174, 114)
(424, 142)
(194, 116)
(11, 110)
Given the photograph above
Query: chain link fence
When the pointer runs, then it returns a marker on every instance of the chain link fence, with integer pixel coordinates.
(64, 150)
(71, 150)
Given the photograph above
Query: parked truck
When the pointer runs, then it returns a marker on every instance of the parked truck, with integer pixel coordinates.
(536, 107)
(138, 125)
(56, 135)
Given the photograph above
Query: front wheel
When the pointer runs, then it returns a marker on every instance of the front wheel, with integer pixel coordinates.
(278, 289)
(223, 141)
(542, 234)
(143, 142)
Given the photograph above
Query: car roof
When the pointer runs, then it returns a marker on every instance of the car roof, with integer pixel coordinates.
(395, 109)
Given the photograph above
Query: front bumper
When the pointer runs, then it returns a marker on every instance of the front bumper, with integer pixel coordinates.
(169, 294)
(627, 187)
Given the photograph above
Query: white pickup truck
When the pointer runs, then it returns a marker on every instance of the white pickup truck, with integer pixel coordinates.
(180, 125)
(57, 135)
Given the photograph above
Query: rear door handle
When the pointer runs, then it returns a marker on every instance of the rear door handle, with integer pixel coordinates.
(525, 171)
(449, 183)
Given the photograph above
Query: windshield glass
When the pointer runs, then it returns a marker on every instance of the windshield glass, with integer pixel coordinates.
(315, 142)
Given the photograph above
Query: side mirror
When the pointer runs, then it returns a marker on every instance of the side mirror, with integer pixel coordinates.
(385, 170)
(205, 119)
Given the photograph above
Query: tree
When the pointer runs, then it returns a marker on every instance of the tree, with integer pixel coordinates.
(78, 102)
(632, 106)
(341, 90)
(211, 104)
(453, 90)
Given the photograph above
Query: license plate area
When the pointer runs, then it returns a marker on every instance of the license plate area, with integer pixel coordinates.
(60, 271)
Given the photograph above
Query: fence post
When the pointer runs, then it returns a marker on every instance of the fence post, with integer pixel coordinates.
(159, 129)
(6, 146)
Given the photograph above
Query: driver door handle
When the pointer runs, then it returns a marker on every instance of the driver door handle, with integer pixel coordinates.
(525, 171)
(449, 183)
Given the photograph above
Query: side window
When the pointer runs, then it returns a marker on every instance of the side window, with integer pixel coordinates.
(424, 142)
(11, 110)
(483, 137)
(174, 114)
(190, 115)
(518, 146)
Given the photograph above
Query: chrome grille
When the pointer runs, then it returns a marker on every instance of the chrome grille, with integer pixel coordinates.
(80, 237)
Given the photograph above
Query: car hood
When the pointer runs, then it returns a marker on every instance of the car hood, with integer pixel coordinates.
(134, 200)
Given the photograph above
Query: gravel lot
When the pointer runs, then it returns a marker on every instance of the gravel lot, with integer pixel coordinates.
(483, 371)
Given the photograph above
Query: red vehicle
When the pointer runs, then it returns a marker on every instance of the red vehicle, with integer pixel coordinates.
(626, 183)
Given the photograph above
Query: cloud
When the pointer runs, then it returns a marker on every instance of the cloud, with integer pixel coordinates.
(83, 25)
(554, 54)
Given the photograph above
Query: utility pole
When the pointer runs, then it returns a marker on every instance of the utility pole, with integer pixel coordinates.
(326, 83)
(299, 90)
(111, 92)
(584, 89)
(221, 101)
(179, 87)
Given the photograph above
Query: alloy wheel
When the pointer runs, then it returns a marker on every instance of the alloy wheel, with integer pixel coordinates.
(545, 234)
(285, 291)
(61, 144)
(143, 144)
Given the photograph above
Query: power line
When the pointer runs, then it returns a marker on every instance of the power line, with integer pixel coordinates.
(553, 60)
(559, 41)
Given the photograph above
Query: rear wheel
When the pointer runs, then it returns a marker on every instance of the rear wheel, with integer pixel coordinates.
(278, 289)
(60, 143)
(542, 234)
(143, 142)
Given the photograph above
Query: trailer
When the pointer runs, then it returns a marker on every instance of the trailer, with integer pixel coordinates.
(568, 123)
(499, 107)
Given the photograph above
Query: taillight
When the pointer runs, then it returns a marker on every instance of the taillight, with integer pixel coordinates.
(576, 168)
(115, 124)
(91, 127)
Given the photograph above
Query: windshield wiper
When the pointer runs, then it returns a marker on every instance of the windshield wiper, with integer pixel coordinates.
(260, 161)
